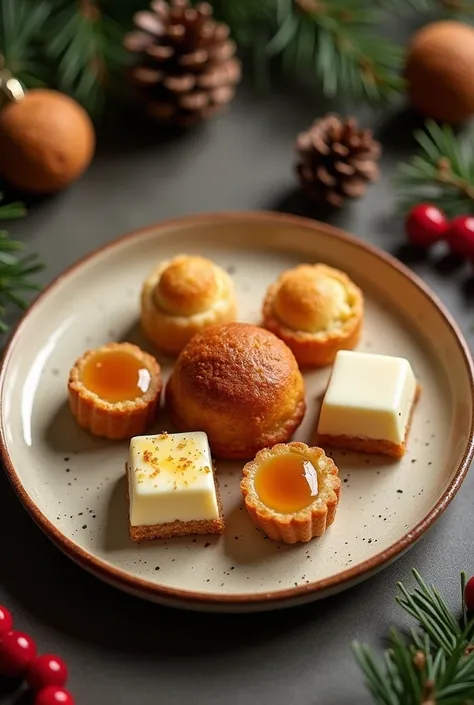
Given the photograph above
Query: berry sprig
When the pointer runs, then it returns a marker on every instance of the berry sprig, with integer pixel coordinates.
(427, 224)
(45, 674)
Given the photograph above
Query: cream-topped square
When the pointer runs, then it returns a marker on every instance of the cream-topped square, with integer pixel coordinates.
(171, 479)
(369, 396)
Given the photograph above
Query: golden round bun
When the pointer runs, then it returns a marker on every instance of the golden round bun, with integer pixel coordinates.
(182, 297)
(241, 385)
(439, 71)
(317, 310)
(188, 285)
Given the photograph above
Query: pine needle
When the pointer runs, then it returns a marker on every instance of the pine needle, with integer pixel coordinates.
(15, 271)
(339, 42)
(442, 173)
(21, 22)
(435, 665)
(85, 45)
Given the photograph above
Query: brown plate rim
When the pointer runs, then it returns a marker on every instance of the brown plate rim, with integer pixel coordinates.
(127, 582)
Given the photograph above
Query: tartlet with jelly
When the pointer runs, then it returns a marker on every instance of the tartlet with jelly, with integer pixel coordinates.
(181, 297)
(317, 310)
(291, 491)
(114, 391)
(241, 385)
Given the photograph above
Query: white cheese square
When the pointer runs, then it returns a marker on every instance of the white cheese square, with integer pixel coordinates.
(368, 396)
(171, 479)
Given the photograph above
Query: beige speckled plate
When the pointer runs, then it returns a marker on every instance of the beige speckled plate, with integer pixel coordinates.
(73, 485)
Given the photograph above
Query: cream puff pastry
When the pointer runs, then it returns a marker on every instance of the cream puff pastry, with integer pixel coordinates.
(183, 296)
(317, 310)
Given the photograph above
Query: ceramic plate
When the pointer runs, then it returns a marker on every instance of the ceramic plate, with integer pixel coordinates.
(73, 485)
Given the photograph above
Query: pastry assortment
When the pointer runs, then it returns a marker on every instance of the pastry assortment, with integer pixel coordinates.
(236, 391)
(182, 297)
(241, 385)
(317, 310)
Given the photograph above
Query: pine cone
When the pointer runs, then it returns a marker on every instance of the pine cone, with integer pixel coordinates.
(336, 159)
(186, 68)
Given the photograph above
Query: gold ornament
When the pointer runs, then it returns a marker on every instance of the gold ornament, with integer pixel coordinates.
(439, 71)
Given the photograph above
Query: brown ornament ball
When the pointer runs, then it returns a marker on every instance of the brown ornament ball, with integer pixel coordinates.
(439, 71)
(47, 141)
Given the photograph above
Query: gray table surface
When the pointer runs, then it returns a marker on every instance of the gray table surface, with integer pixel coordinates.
(121, 650)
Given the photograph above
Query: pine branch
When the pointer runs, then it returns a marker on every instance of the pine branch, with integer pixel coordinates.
(339, 42)
(21, 22)
(85, 44)
(442, 173)
(435, 666)
(15, 271)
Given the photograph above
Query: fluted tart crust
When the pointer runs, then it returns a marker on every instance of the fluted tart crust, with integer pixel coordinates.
(317, 310)
(304, 524)
(117, 419)
(181, 297)
(241, 385)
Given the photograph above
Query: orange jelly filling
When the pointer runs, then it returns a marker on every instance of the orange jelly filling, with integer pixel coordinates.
(287, 483)
(116, 376)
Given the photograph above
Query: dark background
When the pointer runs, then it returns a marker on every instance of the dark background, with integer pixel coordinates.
(121, 650)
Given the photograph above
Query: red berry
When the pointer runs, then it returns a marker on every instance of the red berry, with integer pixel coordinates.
(46, 670)
(52, 695)
(6, 621)
(426, 224)
(469, 595)
(460, 236)
(16, 651)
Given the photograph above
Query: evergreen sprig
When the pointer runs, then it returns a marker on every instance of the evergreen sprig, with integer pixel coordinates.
(20, 40)
(436, 665)
(442, 173)
(85, 44)
(15, 270)
(340, 41)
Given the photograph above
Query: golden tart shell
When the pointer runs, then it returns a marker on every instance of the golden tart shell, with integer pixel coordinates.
(304, 524)
(241, 385)
(183, 296)
(114, 420)
(317, 310)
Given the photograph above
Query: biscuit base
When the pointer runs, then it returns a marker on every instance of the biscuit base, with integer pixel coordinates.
(372, 446)
(177, 528)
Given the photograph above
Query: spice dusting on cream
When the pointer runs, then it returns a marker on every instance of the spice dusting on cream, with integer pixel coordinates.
(171, 479)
